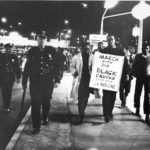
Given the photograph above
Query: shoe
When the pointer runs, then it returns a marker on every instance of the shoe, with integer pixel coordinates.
(137, 113)
(35, 130)
(106, 118)
(147, 119)
(111, 116)
(45, 122)
(7, 110)
(123, 105)
(81, 118)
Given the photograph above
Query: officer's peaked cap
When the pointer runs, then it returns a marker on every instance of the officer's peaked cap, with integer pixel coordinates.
(8, 45)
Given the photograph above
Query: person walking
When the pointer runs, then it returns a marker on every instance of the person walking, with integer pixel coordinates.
(140, 70)
(125, 84)
(109, 97)
(80, 68)
(9, 71)
(42, 69)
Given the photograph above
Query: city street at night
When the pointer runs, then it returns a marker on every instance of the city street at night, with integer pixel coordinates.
(75, 75)
(126, 131)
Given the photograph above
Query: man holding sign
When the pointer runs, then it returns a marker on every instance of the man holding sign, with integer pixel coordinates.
(110, 69)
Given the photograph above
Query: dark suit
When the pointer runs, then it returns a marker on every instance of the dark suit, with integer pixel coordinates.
(139, 70)
(109, 97)
(42, 70)
(9, 69)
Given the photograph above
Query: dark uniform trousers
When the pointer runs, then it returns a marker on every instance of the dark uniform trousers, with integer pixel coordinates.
(42, 70)
(140, 82)
(6, 88)
(41, 95)
(9, 70)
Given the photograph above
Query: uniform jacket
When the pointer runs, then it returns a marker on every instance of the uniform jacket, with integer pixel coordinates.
(76, 65)
(141, 66)
(9, 68)
(41, 67)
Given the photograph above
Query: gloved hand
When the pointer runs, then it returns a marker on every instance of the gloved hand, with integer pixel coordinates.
(76, 74)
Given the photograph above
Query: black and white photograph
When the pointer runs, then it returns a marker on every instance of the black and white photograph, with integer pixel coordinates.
(74, 75)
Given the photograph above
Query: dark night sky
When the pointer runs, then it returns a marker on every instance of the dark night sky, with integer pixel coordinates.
(49, 16)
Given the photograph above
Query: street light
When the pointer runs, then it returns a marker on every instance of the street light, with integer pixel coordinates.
(3, 31)
(136, 34)
(33, 34)
(10, 26)
(3, 19)
(141, 11)
(136, 31)
(66, 22)
(84, 5)
(19, 23)
(108, 4)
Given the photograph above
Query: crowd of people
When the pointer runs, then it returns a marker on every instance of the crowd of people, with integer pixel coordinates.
(44, 67)
(137, 67)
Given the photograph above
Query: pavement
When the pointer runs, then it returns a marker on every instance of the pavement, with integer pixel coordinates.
(125, 132)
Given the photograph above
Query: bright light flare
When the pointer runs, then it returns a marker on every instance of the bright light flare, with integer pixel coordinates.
(110, 3)
(141, 10)
(4, 19)
(136, 31)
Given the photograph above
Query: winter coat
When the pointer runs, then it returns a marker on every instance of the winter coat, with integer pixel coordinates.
(76, 65)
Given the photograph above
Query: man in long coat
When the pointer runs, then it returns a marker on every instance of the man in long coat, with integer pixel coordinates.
(81, 69)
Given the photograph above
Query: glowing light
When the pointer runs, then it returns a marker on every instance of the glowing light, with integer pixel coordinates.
(4, 19)
(19, 23)
(66, 22)
(110, 3)
(14, 34)
(85, 5)
(141, 10)
(69, 31)
(136, 31)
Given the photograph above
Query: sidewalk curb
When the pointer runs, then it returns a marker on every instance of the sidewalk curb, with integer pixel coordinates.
(19, 130)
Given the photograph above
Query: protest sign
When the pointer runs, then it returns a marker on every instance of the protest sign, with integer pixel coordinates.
(107, 71)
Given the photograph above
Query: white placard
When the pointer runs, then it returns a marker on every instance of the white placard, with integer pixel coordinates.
(107, 71)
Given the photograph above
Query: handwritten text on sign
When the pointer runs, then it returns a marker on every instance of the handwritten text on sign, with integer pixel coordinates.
(107, 71)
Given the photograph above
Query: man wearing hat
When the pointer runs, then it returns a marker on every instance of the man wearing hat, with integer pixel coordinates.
(43, 72)
(9, 70)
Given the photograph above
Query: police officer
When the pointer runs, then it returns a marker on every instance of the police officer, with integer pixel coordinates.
(42, 69)
(9, 69)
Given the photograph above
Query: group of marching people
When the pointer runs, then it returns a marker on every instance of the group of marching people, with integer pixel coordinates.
(138, 67)
(42, 68)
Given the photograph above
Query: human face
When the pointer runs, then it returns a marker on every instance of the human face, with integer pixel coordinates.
(146, 50)
(8, 49)
(100, 45)
(41, 42)
(111, 40)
